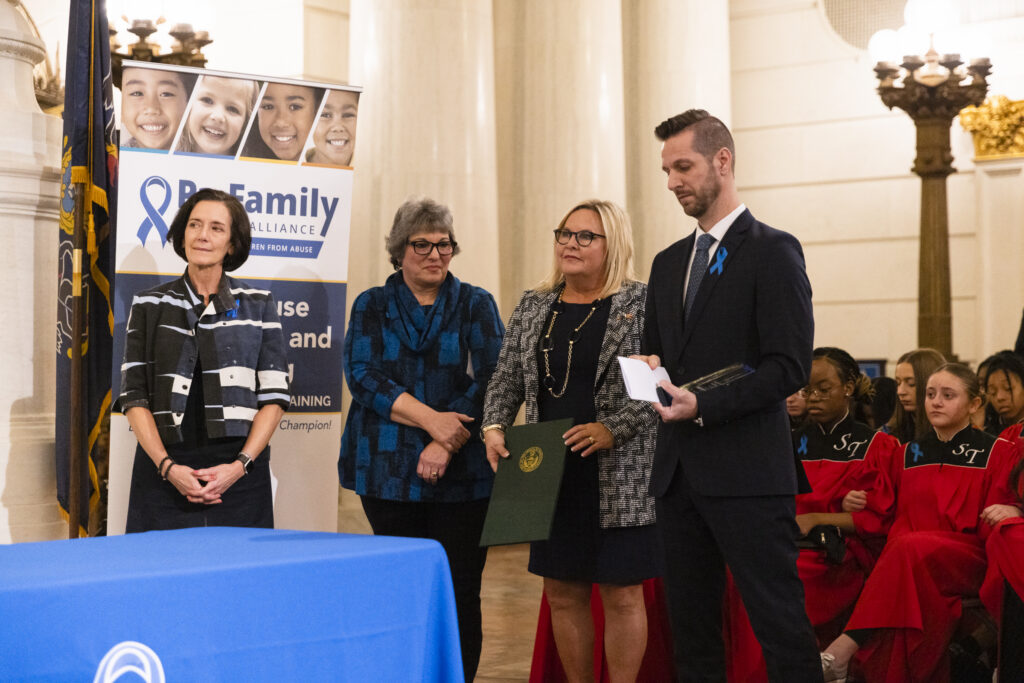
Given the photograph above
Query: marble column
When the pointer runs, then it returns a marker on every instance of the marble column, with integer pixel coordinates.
(29, 214)
(560, 116)
(426, 127)
(676, 57)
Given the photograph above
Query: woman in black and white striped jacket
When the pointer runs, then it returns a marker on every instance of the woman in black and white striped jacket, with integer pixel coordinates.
(202, 458)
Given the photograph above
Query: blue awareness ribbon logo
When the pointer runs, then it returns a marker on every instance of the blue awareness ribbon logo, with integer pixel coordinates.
(155, 216)
(720, 255)
(233, 312)
(916, 451)
(803, 445)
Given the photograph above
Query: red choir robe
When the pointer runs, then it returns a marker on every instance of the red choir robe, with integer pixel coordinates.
(848, 457)
(657, 665)
(1005, 549)
(1012, 433)
(935, 553)
(1005, 552)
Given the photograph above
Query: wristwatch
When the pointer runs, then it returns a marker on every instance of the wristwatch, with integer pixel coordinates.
(246, 462)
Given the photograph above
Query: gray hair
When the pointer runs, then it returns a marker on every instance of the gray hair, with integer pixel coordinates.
(416, 215)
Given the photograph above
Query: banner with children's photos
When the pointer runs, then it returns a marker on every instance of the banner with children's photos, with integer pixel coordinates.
(284, 149)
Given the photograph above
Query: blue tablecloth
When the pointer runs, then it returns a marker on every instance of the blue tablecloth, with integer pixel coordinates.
(219, 604)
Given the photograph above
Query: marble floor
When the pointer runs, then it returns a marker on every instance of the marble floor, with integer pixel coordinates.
(510, 599)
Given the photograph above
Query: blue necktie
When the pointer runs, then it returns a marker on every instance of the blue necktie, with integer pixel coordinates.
(699, 267)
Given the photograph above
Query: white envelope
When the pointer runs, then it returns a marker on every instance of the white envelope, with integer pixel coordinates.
(642, 382)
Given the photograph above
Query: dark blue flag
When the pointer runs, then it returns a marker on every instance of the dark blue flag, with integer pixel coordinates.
(89, 157)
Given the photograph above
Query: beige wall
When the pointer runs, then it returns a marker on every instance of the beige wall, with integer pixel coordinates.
(325, 40)
(820, 156)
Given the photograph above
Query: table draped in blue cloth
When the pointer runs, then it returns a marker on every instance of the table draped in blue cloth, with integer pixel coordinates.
(226, 604)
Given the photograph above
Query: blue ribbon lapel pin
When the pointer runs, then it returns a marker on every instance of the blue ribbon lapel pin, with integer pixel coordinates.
(720, 255)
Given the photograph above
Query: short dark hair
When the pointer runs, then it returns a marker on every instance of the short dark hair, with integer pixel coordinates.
(1006, 362)
(709, 133)
(884, 403)
(241, 230)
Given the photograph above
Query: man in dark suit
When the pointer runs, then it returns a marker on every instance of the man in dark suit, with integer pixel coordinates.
(734, 291)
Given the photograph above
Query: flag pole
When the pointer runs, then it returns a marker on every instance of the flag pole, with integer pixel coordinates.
(77, 408)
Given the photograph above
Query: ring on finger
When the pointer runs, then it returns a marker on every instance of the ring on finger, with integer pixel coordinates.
(591, 440)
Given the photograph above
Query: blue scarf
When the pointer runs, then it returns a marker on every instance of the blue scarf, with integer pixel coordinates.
(419, 326)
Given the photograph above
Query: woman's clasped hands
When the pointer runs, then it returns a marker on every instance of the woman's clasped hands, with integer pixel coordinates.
(449, 435)
(206, 485)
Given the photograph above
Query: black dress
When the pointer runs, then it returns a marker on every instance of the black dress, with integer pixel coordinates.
(578, 548)
(155, 504)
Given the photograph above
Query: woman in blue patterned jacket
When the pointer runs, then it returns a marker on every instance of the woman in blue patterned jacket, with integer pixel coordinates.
(204, 380)
(418, 354)
(559, 358)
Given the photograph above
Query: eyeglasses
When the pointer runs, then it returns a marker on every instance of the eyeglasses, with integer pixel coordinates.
(583, 237)
(424, 247)
(808, 392)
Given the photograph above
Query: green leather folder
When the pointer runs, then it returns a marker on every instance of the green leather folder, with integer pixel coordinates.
(526, 484)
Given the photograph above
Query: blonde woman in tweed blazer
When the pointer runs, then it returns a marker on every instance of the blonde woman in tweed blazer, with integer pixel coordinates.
(603, 531)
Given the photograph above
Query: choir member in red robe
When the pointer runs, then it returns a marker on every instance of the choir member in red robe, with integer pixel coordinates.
(1004, 387)
(912, 371)
(1004, 581)
(940, 492)
(839, 455)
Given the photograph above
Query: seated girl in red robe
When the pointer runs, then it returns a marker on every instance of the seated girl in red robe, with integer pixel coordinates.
(942, 491)
(1004, 386)
(913, 368)
(1004, 581)
(839, 455)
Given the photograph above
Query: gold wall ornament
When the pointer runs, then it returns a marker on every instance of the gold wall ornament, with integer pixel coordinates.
(997, 127)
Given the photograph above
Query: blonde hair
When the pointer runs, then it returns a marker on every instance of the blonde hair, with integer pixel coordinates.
(618, 261)
(188, 144)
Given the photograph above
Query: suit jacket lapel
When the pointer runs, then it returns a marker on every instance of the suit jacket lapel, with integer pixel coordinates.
(670, 293)
(532, 324)
(619, 319)
(718, 268)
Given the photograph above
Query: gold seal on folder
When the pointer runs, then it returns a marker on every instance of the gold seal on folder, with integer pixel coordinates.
(526, 485)
(530, 459)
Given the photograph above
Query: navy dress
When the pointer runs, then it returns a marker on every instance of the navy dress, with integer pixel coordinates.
(578, 548)
(155, 504)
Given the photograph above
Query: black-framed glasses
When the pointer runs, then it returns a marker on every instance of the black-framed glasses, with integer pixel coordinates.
(583, 237)
(424, 247)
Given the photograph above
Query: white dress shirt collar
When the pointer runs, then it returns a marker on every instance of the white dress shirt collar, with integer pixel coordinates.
(719, 229)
